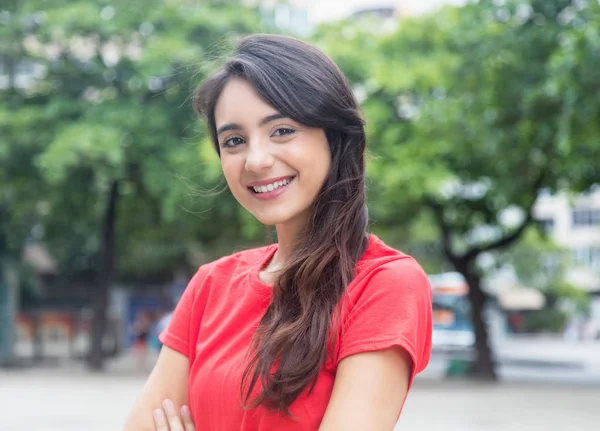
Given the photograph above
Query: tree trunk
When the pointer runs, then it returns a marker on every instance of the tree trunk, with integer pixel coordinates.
(8, 311)
(9, 294)
(37, 340)
(484, 367)
(104, 277)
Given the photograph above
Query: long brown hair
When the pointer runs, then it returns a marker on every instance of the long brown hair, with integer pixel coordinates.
(292, 341)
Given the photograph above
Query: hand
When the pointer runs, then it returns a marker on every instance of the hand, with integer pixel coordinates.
(167, 419)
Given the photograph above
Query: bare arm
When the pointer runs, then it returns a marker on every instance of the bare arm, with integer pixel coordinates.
(368, 392)
(168, 380)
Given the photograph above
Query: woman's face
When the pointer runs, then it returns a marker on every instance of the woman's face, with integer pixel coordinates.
(274, 166)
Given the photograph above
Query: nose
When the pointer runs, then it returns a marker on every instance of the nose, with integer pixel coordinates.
(258, 158)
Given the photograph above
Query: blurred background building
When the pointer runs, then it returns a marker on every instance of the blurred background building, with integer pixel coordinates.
(573, 222)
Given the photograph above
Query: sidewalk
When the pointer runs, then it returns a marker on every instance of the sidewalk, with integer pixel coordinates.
(542, 351)
(69, 398)
(45, 400)
(550, 350)
(466, 406)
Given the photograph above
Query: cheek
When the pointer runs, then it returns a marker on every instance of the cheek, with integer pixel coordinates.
(320, 163)
(312, 157)
(326, 162)
(231, 172)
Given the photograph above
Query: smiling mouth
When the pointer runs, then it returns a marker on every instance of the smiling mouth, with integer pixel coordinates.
(271, 187)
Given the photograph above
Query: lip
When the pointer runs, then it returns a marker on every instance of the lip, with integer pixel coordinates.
(274, 193)
(269, 181)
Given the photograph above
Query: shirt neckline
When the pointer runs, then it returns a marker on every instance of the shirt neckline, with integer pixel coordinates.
(270, 250)
(255, 280)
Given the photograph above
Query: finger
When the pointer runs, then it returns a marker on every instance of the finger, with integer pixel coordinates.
(160, 420)
(173, 418)
(186, 416)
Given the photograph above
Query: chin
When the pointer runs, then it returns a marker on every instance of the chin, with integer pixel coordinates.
(273, 218)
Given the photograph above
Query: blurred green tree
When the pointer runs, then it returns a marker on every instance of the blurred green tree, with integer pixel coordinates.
(472, 112)
(100, 148)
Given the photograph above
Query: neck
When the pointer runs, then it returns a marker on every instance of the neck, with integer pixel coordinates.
(288, 235)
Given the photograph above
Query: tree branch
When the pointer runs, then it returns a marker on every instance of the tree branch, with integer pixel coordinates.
(501, 242)
(515, 234)
(438, 214)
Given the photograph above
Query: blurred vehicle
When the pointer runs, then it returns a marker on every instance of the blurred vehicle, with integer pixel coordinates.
(452, 327)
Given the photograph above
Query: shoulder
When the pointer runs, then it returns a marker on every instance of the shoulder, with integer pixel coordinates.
(231, 265)
(241, 259)
(402, 273)
(402, 279)
(388, 270)
(387, 304)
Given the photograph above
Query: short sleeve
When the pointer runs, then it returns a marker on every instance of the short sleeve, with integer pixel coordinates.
(179, 334)
(391, 308)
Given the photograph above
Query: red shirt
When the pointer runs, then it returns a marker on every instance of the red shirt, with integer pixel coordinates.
(389, 304)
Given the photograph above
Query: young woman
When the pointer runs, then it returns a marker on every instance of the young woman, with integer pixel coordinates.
(324, 330)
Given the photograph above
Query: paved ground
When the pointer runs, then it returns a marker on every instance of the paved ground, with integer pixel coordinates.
(549, 350)
(73, 400)
(445, 406)
(549, 385)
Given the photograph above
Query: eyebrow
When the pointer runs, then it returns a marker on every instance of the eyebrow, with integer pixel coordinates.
(266, 120)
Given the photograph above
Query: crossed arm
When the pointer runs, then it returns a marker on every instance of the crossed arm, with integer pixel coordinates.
(368, 393)
(168, 381)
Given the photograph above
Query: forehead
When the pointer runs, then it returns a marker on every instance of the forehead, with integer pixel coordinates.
(239, 101)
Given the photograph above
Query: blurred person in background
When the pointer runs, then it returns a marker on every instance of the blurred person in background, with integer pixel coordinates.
(141, 329)
(162, 322)
(327, 328)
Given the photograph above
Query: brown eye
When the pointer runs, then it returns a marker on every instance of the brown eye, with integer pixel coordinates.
(234, 141)
(283, 131)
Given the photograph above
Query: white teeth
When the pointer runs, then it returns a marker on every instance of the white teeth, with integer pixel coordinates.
(271, 187)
